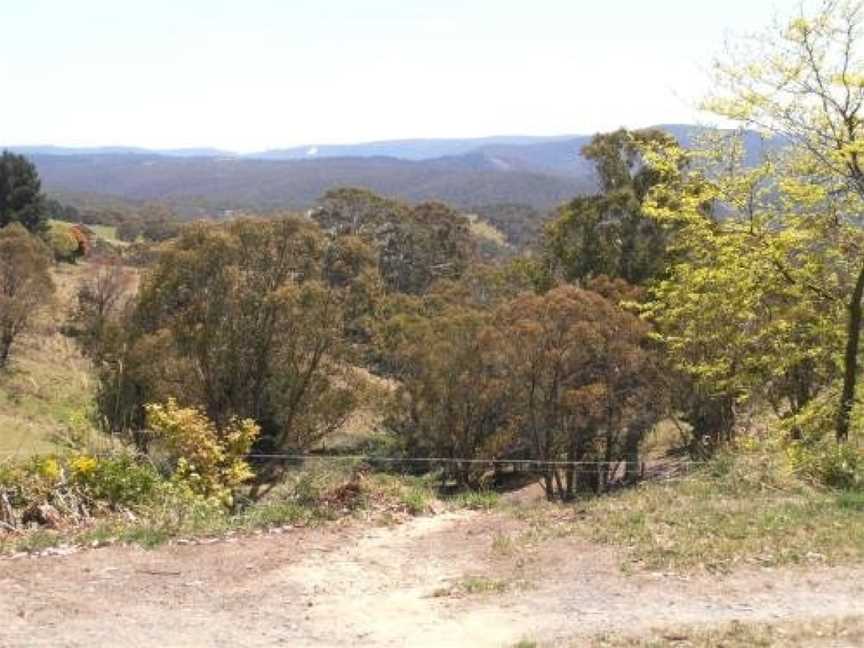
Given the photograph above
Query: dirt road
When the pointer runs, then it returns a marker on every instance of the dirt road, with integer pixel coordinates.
(446, 580)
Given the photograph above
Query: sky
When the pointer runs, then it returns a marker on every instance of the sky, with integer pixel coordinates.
(248, 75)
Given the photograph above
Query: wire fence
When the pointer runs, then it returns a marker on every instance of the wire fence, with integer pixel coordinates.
(371, 458)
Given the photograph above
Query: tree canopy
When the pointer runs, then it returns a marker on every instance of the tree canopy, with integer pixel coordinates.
(21, 199)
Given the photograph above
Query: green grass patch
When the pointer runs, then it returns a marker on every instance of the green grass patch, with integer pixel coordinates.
(481, 500)
(851, 501)
(735, 511)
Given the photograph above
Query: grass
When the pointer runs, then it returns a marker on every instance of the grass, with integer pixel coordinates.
(152, 528)
(823, 632)
(480, 585)
(475, 586)
(310, 495)
(735, 511)
(47, 384)
(482, 500)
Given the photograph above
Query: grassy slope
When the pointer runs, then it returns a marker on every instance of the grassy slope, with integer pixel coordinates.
(47, 383)
(744, 510)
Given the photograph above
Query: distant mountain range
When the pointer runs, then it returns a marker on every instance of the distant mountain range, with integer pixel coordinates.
(537, 171)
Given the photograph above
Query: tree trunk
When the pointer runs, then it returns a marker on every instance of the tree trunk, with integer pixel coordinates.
(713, 420)
(850, 360)
(634, 436)
(5, 346)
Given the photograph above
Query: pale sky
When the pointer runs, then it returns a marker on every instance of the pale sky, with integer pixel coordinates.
(257, 74)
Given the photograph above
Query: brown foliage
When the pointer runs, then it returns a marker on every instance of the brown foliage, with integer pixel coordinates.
(585, 385)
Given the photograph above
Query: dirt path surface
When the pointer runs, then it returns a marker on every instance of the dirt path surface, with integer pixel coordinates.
(407, 585)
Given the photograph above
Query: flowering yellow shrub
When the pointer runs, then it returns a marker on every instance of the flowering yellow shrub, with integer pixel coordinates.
(210, 460)
(48, 468)
(83, 465)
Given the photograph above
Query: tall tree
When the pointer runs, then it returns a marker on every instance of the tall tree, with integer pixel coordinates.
(804, 81)
(748, 308)
(236, 319)
(21, 199)
(585, 384)
(608, 233)
(415, 245)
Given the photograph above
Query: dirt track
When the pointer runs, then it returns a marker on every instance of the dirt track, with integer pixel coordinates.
(396, 586)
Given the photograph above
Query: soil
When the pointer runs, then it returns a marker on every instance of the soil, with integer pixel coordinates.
(444, 580)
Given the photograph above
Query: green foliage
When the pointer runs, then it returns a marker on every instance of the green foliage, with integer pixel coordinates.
(838, 466)
(21, 199)
(414, 245)
(476, 500)
(803, 83)
(240, 320)
(452, 400)
(585, 384)
(120, 480)
(416, 500)
(521, 224)
(609, 233)
(749, 310)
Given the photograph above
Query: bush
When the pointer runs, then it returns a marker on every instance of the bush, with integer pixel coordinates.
(834, 465)
(119, 481)
(208, 459)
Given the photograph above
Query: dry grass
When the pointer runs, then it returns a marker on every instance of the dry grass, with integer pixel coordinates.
(47, 383)
(736, 511)
(822, 632)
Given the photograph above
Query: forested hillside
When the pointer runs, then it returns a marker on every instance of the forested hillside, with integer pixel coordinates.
(539, 172)
(229, 183)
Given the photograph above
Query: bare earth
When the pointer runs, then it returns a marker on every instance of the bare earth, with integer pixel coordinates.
(396, 586)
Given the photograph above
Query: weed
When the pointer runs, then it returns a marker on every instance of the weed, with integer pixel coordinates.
(416, 499)
(503, 545)
(482, 500)
(480, 585)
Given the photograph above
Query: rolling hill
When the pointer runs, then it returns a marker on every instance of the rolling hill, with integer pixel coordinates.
(537, 171)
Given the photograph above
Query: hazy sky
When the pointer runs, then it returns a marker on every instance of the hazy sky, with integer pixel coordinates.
(255, 74)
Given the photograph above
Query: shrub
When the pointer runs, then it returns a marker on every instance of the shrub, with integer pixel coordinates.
(208, 459)
(834, 465)
(117, 480)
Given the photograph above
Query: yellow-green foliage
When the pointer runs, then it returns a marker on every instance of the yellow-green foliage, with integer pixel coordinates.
(62, 243)
(835, 465)
(77, 486)
(210, 460)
